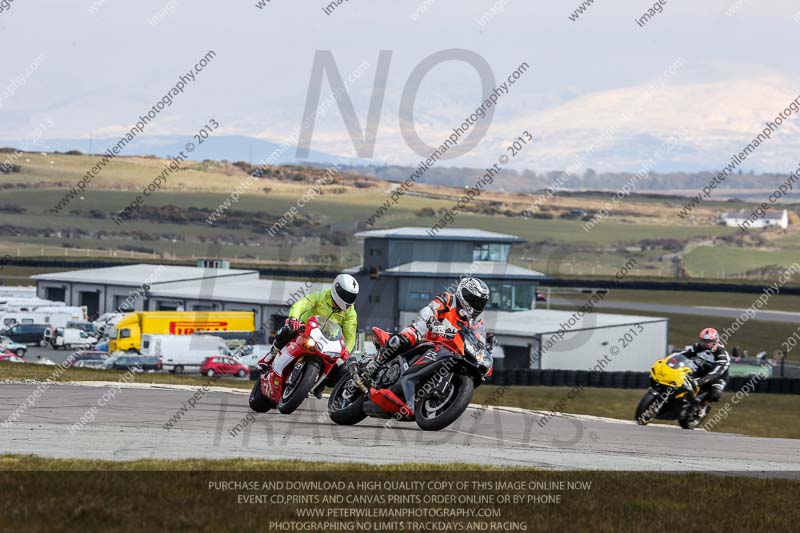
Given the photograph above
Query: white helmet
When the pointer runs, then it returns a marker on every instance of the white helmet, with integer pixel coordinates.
(344, 291)
(472, 295)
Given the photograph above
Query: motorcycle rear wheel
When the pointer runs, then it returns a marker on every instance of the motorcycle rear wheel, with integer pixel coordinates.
(344, 411)
(294, 398)
(258, 402)
(434, 415)
(691, 421)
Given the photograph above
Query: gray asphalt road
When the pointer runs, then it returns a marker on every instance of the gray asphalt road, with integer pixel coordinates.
(131, 426)
(699, 310)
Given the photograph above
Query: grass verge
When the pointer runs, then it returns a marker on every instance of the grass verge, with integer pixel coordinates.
(69, 495)
(17, 371)
(756, 415)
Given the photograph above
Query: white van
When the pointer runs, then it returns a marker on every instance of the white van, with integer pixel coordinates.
(180, 351)
(69, 338)
(251, 354)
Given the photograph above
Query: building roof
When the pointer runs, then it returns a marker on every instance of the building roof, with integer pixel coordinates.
(446, 234)
(136, 275)
(543, 321)
(246, 290)
(486, 269)
(742, 214)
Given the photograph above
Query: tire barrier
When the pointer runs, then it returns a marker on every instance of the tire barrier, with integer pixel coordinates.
(625, 380)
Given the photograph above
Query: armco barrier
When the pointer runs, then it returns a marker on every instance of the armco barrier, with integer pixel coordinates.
(625, 380)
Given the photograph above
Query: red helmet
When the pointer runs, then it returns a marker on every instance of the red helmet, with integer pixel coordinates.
(709, 339)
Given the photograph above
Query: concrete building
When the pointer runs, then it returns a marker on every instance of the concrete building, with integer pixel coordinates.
(168, 288)
(543, 339)
(404, 268)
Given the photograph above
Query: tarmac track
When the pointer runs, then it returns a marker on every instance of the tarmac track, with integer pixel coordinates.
(131, 426)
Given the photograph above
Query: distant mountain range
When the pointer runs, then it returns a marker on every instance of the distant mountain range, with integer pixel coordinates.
(231, 148)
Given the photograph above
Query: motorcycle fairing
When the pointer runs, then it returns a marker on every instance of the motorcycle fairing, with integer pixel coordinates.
(423, 368)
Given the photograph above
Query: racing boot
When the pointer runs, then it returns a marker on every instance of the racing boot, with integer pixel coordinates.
(318, 391)
(266, 363)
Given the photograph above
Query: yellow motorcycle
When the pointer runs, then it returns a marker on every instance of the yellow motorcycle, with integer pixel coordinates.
(668, 398)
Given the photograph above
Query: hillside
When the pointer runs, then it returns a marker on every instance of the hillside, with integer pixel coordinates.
(174, 220)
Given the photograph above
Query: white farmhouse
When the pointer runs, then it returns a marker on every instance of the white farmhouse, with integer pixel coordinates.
(745, 218)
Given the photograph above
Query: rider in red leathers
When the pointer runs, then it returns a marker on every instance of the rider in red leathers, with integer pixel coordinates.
(440, 320)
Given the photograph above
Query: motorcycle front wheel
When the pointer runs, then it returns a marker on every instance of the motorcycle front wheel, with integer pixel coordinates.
(434, 412)
(346, 403)
(258, 402)
(297, 387)
(644, 411)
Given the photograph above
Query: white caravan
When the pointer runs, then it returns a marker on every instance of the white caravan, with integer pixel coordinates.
(55, 318)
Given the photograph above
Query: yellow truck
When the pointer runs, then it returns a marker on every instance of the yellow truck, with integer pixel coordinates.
(126, 335)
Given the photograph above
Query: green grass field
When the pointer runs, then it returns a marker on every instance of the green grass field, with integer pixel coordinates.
(207, 184)
(780, 302)
(721, 261)
(191, 495)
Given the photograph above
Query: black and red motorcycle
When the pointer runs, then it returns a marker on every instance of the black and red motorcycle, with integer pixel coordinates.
(431, 383)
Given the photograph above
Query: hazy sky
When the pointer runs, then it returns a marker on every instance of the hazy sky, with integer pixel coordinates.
(102, 63)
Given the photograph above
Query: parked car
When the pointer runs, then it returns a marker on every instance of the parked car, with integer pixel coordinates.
(89, 363)
(27, 333)
(87, 358)
(137, 363)
(9, 357)
(220, 365)
(16, 347)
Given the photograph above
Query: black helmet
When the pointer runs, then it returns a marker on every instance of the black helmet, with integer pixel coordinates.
(472, 296)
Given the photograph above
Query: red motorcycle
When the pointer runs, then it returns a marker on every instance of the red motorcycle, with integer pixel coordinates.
(300, 366)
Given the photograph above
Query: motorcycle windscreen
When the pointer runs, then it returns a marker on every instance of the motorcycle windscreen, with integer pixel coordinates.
(327, 335)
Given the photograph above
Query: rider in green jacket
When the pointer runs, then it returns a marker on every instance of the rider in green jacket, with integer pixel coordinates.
(336, 303)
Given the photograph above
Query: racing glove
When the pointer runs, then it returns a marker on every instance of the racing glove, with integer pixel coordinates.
(293, 323)
(489, 342)
(396, 343)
